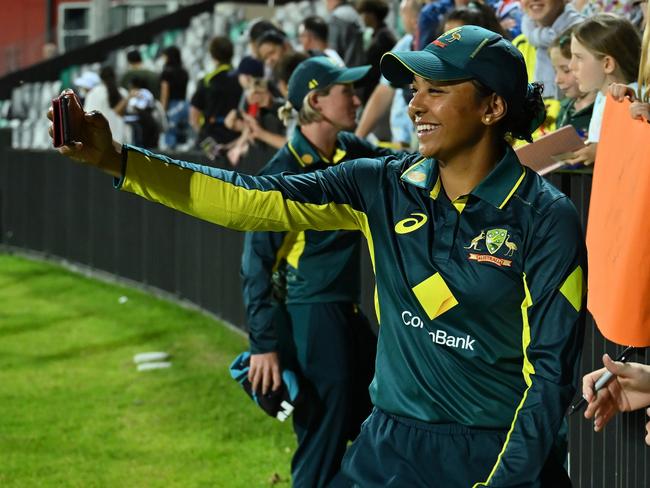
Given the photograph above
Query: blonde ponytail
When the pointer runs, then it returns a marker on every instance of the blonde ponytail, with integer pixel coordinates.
(286, 113)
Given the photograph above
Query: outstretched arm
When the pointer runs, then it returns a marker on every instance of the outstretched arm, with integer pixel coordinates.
(322, 200)
(94, 144)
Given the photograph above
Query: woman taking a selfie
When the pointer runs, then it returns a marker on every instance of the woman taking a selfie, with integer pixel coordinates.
(479, 267)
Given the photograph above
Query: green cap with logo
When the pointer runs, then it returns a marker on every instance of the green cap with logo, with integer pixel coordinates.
(317, 73)
(464, 53)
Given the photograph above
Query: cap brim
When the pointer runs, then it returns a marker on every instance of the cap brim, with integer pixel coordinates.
(350, 75)
(399, 67)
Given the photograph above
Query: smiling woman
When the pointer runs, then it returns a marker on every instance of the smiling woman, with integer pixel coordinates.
(486, 255)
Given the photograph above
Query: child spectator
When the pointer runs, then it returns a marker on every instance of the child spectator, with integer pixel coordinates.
(173, 93)
(577, 106)
(605, 49)
(542, 24)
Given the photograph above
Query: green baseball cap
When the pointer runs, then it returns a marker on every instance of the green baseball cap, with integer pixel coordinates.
(468, 52)
(317, 73)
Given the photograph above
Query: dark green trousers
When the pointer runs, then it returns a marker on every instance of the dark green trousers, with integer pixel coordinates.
(393, 451)
(332, 348)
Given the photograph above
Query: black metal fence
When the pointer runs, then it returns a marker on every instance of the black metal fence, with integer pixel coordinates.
(65, 210)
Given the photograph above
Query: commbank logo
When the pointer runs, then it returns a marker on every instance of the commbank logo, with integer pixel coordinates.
(439, 336)
(410, 224)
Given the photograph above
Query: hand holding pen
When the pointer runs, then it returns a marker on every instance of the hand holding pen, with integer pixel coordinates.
(618, 387)
(593, 382)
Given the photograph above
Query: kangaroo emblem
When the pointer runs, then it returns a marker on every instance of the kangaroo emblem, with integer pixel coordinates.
(512, 247)
(475, 241)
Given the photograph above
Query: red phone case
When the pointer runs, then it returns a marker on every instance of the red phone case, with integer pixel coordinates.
(61, 122)
(57, 122)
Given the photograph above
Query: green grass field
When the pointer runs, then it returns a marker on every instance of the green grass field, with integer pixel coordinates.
(74, 412)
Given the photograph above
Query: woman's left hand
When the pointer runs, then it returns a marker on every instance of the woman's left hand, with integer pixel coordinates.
(585, 155)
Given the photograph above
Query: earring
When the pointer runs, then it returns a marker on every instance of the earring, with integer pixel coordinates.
(487, 119)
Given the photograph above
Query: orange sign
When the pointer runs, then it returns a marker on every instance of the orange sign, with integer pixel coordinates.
(618, 231)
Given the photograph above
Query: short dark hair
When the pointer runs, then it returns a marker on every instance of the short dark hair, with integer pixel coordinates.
(259, 28)
(173, 55)
(317, 26)
(221, 49)
(378, 8)
(134, 56)
(273, 37)
(287, 64)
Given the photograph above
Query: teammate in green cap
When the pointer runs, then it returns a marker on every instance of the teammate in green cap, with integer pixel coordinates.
(322, 335)
(480, 267)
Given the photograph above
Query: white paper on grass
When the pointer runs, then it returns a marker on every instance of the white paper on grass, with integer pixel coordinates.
(147, 357)
(156, 365)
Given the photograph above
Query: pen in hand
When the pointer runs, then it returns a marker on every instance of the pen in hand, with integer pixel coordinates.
(604, 379)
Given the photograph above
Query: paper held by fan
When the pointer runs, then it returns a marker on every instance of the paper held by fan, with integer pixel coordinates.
(550, 152)
(618, 229)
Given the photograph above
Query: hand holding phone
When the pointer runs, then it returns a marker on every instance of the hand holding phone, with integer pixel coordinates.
(84, 136)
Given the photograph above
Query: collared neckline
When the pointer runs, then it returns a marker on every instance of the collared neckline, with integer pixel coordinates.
(306, 154)
(502, 182)
(496, 188)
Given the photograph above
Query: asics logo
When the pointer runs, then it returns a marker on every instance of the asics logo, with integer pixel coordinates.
(410, 224)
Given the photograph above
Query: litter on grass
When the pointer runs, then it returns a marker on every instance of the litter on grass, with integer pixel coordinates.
(152, 366)
(147, 357)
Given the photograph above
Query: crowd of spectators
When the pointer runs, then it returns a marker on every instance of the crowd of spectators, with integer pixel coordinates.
(576, 49)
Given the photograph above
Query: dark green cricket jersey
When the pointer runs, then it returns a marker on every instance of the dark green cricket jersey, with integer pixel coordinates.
(480, 300)
(321, 267)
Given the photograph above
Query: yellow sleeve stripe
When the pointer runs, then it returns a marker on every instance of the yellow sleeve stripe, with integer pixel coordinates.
(229, 205)
(365, 229)
(528, 370)
(285, 248)
(573, 288)
(296, 250)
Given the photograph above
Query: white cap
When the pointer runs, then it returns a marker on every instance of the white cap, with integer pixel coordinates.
(87, 80)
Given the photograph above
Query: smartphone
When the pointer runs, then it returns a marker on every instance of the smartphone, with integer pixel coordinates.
(61, 121)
